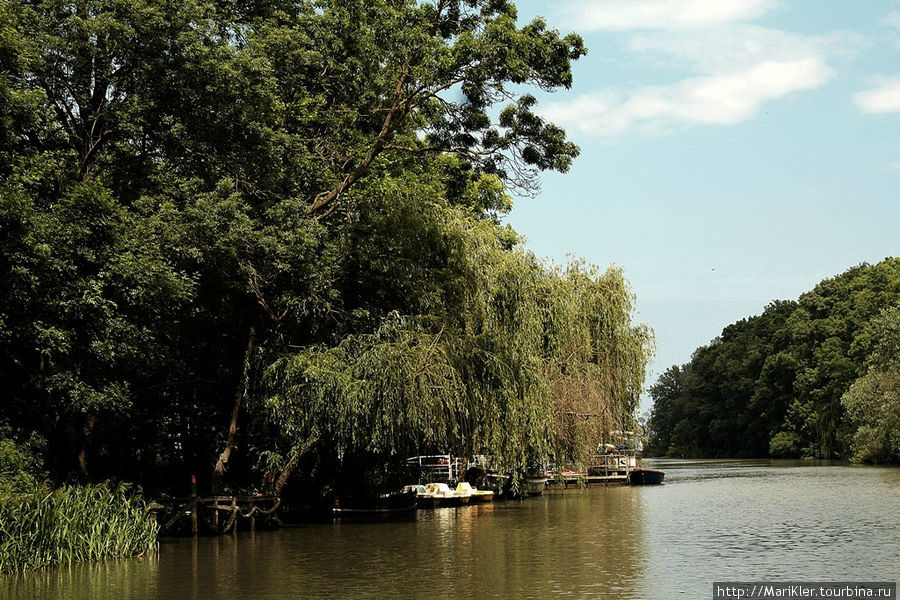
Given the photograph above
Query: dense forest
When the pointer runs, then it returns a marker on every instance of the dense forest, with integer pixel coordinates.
(261, 242)
(815, 378)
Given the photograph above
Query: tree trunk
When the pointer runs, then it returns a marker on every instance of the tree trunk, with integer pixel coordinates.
(290, 467)
(87, 430)
(219, 470)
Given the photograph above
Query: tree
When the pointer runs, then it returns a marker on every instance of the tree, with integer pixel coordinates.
(873, 401)
(395, 70)
(505, 361)
(668, 395)
(204, 203)
(773, 383)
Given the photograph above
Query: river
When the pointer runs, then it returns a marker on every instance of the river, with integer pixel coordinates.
(734, 520)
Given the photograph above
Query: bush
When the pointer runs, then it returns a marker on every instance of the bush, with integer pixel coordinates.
(873, 407)
(21, 465)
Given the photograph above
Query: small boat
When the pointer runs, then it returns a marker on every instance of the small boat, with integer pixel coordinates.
(642, 476)
(394, 504)
(475, 495)
(424, 498)
(446, 496)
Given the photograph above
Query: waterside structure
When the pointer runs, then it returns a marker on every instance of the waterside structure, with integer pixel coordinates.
(611, 468)
(612, 465)
(220, 514)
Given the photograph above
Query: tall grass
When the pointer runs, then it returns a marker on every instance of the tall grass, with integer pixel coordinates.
(47, 528)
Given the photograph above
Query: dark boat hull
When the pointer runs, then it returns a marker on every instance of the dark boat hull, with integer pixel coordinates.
(646, 477)
(397, 505)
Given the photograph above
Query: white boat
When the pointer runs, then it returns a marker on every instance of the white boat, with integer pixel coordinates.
(445, 496)
(475, 495)
(424, 498)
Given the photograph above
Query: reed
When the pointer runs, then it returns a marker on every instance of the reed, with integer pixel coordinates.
(48, 528)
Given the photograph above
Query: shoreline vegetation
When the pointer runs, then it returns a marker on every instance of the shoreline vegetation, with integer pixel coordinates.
(262, 244)
(814, 378)
(43, 527)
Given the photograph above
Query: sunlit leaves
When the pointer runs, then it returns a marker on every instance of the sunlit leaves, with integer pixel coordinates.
(873, 401)
(499, 354)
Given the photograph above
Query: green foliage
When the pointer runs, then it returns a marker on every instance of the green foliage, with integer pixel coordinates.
(21, 462)
(497, 354)
(785, 444)
(322, 179)
(774, 383)
(873, 401)
(84, 312)
(42, 528)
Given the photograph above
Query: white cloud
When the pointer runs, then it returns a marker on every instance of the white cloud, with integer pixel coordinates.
(630, 15)
(720, 99)
(738, 45)
(728, 66)
(892, 19)
(885, 98)
(893, 166)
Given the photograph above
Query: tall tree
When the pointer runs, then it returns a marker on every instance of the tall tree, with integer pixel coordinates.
(873, 401)
(197, 194)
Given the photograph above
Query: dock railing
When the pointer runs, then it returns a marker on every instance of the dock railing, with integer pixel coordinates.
(613, 463)
(220, 514)
(435, 467)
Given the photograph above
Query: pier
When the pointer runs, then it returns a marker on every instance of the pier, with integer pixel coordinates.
(583, 479)
(220, 514)
(607, 469)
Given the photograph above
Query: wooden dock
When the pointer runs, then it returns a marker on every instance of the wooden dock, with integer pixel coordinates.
(608, 469)
(220, 514)
(583, 479)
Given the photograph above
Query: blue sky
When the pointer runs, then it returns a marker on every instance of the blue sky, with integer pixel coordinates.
(734, 152)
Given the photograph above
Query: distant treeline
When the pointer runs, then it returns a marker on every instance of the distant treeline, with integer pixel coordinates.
(817, 378)
(248, 240)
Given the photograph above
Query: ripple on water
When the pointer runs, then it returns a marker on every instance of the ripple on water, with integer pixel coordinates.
(711, 521)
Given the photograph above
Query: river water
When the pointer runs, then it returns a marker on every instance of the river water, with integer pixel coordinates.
(711, 521)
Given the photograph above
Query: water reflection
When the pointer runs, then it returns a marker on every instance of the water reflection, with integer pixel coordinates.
(711, 521)
(113, 580)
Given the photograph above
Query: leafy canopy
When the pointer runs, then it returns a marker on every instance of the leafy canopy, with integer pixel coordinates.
(275, 226)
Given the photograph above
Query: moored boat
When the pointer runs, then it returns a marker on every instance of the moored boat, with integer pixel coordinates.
(445, 496)
(475, 495)
(642, 476)
(395, 504)
(424, 498)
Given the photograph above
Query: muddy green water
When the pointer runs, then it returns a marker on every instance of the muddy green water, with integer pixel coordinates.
(710, 521)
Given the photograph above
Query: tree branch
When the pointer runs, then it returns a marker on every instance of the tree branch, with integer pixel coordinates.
(292, 464)
(388, 129)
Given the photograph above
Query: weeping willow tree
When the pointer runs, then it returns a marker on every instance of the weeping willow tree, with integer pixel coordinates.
(594, 357)
(509, 357)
